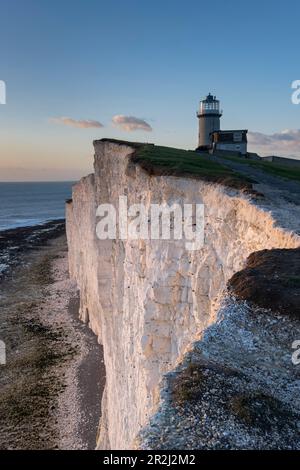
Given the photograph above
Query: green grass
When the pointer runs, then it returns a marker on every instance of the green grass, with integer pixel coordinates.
(157, 160)
(275, 169)
(168, 160)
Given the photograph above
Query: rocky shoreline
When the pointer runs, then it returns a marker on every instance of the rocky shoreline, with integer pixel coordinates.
(16, 242)
(51, 384)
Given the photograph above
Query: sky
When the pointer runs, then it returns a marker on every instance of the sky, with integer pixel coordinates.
(79, 70)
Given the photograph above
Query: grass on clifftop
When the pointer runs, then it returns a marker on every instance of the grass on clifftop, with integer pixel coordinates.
(157, 160)
(275, 169)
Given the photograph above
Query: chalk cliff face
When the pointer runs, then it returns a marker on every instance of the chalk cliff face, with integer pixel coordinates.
(150, 300)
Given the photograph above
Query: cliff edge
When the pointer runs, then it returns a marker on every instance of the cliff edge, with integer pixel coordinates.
(192, 360)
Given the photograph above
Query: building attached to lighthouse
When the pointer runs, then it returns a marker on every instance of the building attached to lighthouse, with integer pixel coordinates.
(211, 138)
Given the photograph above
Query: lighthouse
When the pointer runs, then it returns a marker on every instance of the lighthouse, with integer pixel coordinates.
(209, 119)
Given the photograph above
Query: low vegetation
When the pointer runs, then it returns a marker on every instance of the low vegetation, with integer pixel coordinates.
(259, 410)
(187, 385)
(157, 160)
(271, 279)
(275, 169)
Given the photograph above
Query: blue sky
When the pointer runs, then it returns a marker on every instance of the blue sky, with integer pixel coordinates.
(93, 60)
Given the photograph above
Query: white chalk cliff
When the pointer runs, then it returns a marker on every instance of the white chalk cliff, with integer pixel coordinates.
(153, 303)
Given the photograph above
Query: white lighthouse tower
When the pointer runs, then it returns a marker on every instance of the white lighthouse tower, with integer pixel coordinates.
(209, 119)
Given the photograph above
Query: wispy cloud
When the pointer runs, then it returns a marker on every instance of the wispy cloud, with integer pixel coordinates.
(131, 123)
(79, 123)
(283, 143)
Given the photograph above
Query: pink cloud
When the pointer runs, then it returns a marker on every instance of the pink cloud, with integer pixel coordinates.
(81, 123)
(131, 123)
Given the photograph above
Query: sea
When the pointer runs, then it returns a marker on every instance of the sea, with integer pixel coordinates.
(28, 204)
